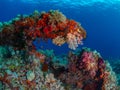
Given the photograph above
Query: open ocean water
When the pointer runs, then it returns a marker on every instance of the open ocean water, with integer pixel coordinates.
(100, 19)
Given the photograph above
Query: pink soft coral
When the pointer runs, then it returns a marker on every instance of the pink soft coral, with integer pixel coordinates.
(74, 39)
(90, 63)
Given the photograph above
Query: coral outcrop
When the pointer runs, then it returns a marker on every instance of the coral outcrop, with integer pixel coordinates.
(46, 25)
(23, 67)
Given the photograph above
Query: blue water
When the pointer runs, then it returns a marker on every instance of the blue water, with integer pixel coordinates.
(100, 18)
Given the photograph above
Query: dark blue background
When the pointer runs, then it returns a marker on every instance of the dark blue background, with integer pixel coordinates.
(102, 23)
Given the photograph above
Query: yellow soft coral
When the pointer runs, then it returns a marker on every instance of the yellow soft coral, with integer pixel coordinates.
(59, 40)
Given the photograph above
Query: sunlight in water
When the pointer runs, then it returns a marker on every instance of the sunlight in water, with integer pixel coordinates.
(103, 4)
(73, 2)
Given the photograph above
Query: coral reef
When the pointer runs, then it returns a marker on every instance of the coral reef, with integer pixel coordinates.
(22, 67)
(88, 71)
(47, 25)
(16, 74)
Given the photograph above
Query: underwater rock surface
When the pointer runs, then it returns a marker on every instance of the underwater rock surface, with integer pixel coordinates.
(22, 67)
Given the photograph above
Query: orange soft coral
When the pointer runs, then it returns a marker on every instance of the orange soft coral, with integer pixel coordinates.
(25, 22)
(72, 26)
(48, 25)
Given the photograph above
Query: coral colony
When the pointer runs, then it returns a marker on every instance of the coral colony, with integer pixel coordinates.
(23, 67)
